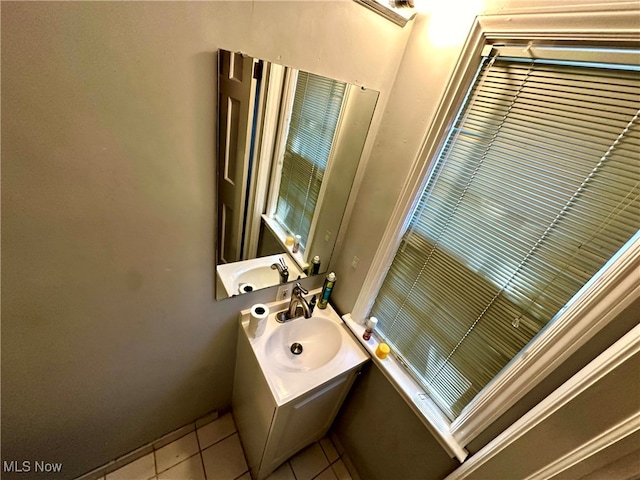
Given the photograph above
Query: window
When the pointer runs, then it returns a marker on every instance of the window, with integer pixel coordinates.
(314, 117)
(534, 191)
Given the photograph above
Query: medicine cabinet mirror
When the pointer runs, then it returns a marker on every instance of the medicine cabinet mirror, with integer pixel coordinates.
(289, 145)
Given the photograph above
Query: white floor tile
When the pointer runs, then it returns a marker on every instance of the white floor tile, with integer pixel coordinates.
(341, 471)
(190, 469)
(224, 460)
(309, 462)
(327, 475)
(283, 472)
(176, 451)
(216, 447)
(215, 431)
(143, 468)
(329, 450)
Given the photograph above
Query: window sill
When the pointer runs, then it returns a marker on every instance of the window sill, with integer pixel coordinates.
(411, 392)
(280, 235)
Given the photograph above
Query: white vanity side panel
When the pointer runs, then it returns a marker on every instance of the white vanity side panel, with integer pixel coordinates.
(253, 404)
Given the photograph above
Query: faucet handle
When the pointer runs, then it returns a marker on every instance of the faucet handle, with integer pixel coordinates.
(300, 289)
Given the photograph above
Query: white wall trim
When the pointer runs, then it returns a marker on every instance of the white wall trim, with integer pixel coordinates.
(602, 299)
(289, 88)
(596, 370)
(600, 25)
(592, 447)
(273, 86)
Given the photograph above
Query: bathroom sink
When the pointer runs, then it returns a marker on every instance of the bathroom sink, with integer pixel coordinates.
(260, 276)
(323, 349)
(304, 343)
(286, 398)
(248, 275)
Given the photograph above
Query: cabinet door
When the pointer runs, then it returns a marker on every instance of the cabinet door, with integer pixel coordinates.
(304, 421)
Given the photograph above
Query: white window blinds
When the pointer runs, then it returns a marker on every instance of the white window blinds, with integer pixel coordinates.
(535, 189)
(316, 108)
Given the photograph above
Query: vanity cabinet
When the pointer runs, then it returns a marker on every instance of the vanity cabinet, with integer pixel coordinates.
(272, 433)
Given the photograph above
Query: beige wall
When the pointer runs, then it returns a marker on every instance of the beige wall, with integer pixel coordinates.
(110, 333)
(383, 437)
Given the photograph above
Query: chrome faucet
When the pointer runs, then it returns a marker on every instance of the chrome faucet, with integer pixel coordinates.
(296, 304)
(283, 270)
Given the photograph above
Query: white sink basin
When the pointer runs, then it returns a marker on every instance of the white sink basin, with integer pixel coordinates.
(248, 275)
(328, 350)
(304, 343)
(260, 276)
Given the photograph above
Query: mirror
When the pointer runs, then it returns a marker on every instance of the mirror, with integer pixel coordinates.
(289, 145)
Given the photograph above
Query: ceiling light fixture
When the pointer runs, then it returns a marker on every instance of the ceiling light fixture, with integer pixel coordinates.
(398, 11)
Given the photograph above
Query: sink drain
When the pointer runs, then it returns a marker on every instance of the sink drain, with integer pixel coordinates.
(296, 348)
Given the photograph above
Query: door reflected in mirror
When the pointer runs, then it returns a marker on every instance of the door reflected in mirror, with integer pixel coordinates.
(289, 145)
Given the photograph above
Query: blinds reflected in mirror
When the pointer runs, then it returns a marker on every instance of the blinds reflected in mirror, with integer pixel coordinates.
(316, 109)
(534, 191)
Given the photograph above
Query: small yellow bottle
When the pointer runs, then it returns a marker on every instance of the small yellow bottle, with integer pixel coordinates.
(382, 351)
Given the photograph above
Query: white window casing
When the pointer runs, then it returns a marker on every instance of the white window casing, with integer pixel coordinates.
(600, 300)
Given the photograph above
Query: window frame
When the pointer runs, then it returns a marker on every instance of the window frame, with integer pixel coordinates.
(289, 84)
(600, 300)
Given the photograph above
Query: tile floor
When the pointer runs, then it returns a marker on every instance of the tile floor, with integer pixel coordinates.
(214, 452)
